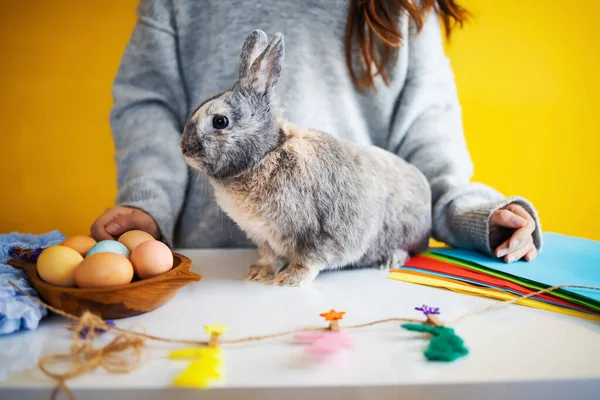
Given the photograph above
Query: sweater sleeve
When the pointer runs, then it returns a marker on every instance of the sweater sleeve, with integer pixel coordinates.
(428, 132)
(147, 117)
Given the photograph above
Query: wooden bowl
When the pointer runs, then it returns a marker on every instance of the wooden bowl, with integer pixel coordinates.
(137, 297)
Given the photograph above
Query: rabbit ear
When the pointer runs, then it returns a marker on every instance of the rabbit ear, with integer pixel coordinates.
(266, 69)
(253, 46)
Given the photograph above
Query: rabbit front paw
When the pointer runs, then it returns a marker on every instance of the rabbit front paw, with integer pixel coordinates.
(266, 267)
(296, 275)
(261, 272)
(395, 260)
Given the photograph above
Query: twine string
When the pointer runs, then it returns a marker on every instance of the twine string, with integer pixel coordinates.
(123, 354)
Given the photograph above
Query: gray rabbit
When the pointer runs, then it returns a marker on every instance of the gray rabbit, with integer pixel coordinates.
(308, 200)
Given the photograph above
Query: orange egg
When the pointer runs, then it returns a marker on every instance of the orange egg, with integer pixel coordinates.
(151, 258)
(131, 239)
(103, 270)
(57, 264)
(79, 243)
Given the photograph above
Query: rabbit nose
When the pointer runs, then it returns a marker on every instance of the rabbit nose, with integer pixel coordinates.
(191, 148)
(185, 147)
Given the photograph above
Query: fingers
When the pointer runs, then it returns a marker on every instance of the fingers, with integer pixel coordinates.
(98, 233)
(98, 229)
(520, 244)
(118, 220)
(518, 241)
(122, 224)
(519, 253)
(531, 255)
(515, 244)
(508, 219)
(521, 235)
(502, 250)
(134, 220)
(505, 220)
(520, 211)
(526, 249)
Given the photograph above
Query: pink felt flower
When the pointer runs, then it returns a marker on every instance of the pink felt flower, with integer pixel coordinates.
(325, 342)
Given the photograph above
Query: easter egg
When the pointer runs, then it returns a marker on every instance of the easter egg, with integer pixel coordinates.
(131, 239)
(151, 258)
(105, 269)
(79, 243)
(109, 246)
(57, 264)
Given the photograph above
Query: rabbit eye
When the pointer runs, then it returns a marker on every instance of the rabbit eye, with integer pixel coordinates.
(220, 122)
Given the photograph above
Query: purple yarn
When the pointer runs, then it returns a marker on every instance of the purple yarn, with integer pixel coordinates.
(99, 331)
(428, 310)
(27, 255)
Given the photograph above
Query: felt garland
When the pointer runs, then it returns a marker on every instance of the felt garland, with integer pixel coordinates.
(123, 353)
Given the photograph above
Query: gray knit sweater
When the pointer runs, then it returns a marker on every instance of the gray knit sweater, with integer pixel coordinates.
(183, 51)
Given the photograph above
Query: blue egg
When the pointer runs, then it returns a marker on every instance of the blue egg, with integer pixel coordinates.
(109, 246)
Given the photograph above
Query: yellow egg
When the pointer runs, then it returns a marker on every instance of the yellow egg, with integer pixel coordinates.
(79, 243)
(151, 258)
(56, 265)
(131, 239)
(103, 270)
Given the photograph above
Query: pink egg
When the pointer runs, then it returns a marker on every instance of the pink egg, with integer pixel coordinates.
(151, 258)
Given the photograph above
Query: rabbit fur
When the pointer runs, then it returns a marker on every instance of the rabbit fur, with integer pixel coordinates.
(309, 201)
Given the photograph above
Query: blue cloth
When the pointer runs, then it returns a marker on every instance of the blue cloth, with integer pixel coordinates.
(17, 312)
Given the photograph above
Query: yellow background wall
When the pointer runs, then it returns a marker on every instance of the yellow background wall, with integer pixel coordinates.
(526, 72)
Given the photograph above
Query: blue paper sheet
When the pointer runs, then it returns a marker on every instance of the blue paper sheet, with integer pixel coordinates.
(563, 260)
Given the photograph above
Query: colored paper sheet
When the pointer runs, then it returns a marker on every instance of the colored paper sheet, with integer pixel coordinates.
(517, 293)
(465, 288)
(441, 268)
(439, 265)
(457, 272)
(563, 260)
(569, 296)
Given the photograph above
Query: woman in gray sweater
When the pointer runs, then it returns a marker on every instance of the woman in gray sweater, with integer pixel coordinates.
(183, 52)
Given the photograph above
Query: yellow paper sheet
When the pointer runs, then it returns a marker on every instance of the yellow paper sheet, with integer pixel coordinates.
(466, 288)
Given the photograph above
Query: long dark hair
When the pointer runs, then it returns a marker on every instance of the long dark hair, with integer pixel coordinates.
(373, 25)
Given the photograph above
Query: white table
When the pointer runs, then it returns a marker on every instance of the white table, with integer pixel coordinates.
(514, 351)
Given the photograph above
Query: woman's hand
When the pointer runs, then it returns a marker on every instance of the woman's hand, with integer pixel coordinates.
(511, 230)
(118, 220)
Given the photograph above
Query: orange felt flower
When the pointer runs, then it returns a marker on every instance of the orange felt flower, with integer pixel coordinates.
(333, 315)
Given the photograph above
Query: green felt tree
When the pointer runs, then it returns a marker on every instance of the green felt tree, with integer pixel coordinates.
(444, 345)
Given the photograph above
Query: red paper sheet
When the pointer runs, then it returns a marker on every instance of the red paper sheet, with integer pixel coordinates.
(435, 265)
